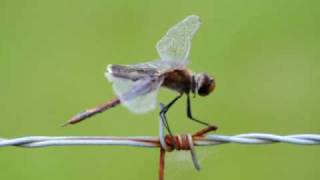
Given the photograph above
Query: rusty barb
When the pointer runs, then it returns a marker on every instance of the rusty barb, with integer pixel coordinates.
(181, 142)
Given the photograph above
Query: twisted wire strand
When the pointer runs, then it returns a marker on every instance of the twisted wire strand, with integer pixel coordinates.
(154, 142)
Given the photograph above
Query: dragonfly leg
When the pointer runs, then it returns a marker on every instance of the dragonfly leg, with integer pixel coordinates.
(163, 111)
(164, 120)
(189, 114)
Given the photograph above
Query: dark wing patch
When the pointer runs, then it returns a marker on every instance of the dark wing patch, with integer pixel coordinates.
(131, 72)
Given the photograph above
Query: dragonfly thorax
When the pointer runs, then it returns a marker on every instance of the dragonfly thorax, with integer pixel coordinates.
(203, 84)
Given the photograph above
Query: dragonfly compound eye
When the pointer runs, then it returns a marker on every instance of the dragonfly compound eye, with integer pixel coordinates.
(206, 84)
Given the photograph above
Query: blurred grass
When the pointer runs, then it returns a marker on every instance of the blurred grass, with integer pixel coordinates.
(263, 54)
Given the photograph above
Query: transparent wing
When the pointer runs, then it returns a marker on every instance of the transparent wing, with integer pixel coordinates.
(160, 66)
(176, 44)
(138, 96)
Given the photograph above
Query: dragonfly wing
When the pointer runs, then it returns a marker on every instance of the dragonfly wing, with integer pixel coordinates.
(160, 66)
(138, 96)
(131, 72)
(176, 43)
(142, 70)
(142, 104)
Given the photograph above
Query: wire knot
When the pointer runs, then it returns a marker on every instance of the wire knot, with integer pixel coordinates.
(178, 142)
(183, 141)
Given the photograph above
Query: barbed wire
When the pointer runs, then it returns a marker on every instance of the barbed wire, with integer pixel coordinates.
(166, 143)
(153, 142)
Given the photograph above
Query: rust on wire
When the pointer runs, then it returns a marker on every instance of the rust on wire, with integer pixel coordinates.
(181, 142)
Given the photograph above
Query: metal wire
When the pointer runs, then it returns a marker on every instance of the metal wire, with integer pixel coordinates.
(153, 142)
(164, 142)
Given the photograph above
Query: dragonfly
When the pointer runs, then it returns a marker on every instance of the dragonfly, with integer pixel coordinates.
(137, 86)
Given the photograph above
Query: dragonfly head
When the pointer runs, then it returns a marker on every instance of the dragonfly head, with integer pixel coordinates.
(204, 84)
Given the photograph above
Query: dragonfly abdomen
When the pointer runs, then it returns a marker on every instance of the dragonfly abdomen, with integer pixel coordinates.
(91, 112)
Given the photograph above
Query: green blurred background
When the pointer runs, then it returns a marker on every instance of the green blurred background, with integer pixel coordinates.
(263, 54)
